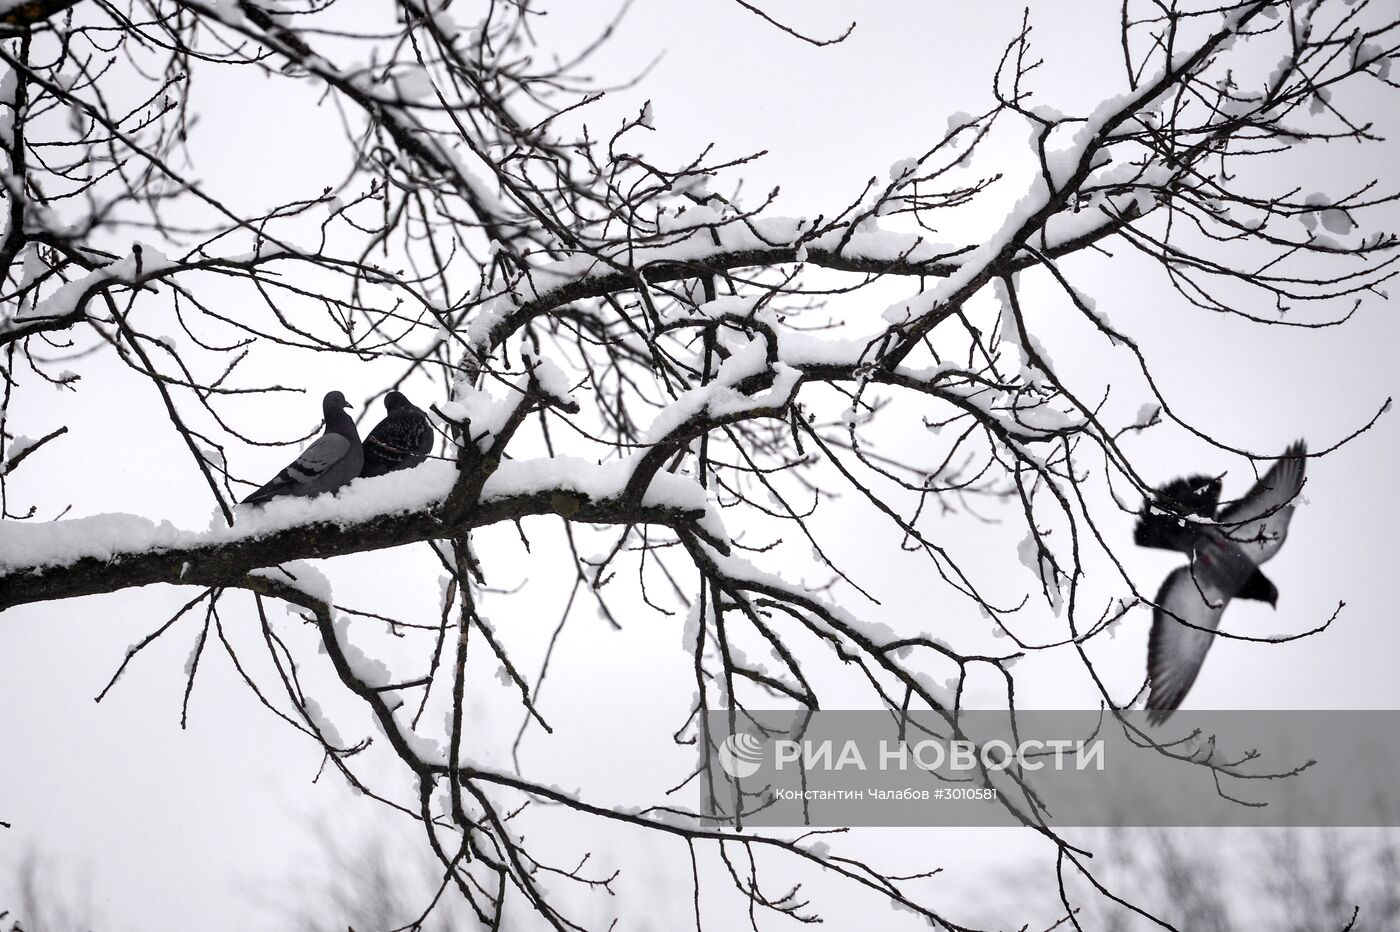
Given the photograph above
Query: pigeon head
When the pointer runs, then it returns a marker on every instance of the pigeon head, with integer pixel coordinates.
(395, 400)
(333, 410)
(334, 401)
(1195, 495)
(1161, 522)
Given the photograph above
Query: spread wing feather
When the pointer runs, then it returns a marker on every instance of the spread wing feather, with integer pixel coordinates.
(1258, 522)
(1176, 650)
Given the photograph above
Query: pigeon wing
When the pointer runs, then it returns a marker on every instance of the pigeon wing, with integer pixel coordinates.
(1188, 610)
(1258, 522)
(299, 478)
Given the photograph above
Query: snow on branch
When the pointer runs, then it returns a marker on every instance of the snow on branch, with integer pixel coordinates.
(105, 553)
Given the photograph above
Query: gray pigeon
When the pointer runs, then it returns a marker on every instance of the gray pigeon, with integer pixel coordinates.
(1226, 550)
(329, 463)
(400, 441)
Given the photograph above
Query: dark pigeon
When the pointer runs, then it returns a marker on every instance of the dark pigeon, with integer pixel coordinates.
(1226, 546)
(400, 441)
(329, 463)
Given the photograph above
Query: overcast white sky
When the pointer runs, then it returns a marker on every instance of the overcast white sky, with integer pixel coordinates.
(173, 829)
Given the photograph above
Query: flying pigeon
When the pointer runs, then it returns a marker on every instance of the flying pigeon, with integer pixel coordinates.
(400, 441)
(329, 463)
(1226, 546)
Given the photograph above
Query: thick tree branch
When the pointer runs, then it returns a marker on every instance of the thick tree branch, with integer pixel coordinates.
(22, 16)
(224, 563)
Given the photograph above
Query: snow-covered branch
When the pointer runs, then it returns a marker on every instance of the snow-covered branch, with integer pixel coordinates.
(108, 553)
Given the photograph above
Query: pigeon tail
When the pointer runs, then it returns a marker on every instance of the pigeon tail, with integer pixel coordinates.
(1259, 588)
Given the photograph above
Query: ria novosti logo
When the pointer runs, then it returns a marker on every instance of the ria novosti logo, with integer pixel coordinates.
(740, 755)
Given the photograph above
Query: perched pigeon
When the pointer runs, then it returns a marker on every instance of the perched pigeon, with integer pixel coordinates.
(333, 460)
(400, 441)
(1226, 549)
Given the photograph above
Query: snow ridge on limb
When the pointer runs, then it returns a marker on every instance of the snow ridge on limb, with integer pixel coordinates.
(102, 553)
(66, 305)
